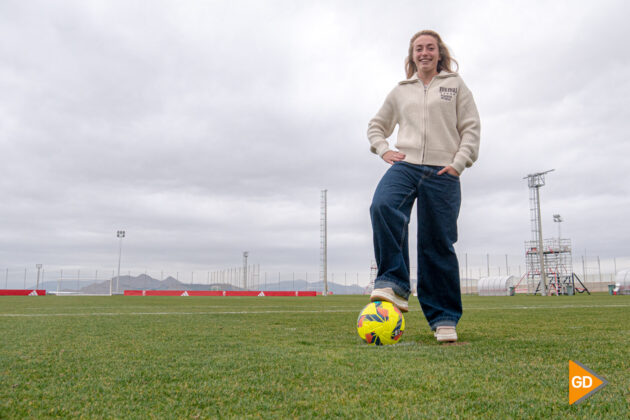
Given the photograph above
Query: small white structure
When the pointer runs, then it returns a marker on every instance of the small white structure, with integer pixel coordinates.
(622, 282)
(496, 286)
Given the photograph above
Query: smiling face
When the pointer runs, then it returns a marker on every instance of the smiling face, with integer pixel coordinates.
(426, 54)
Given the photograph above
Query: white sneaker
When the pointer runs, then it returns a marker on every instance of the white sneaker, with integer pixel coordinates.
(387, 294)
(445, 334)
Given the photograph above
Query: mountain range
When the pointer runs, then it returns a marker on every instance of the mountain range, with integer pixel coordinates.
(146, 282)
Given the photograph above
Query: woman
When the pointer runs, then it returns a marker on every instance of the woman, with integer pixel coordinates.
(438, 137)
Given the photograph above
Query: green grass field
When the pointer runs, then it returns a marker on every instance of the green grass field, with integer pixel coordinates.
(172, 357)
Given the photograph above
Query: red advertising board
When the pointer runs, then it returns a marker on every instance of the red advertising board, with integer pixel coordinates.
(22, 292)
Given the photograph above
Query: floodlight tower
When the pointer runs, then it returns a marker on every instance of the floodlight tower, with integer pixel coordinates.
(534, 182)
(39, 268)
(119, 234)
(323, 230)
(558, 219)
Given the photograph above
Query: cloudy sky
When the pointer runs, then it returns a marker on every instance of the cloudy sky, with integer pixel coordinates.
(207, 128)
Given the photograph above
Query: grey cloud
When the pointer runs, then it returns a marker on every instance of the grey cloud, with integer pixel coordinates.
(209, 128)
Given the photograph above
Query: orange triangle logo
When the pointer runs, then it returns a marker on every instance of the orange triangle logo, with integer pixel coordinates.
(583, 382)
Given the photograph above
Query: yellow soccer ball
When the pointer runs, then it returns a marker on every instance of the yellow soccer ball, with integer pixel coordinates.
(380, 323)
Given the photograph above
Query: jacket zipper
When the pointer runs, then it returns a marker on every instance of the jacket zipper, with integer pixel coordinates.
(424, 120)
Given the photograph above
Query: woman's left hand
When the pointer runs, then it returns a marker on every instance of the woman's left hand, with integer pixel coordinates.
(448, 169)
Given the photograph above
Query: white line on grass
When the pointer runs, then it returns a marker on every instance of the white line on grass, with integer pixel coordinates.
(296, 312)
(177, 313)
(545, 307)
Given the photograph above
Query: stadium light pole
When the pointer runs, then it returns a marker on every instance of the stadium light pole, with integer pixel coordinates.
(323, 233)
(39, 267)
(558, 219)
(119, 234)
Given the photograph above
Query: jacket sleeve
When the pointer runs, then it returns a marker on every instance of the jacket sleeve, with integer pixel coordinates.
(469, 128)
(382, 126)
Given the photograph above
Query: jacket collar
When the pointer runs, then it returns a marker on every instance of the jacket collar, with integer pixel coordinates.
(415, 79)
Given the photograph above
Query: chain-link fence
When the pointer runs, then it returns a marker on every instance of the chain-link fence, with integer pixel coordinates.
(596, 272)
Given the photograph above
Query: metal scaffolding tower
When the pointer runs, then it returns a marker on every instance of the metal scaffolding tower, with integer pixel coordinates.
(535, 260)
(549, 262)
(323, 230)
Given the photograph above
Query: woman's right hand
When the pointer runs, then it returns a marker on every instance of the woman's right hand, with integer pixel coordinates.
(391, 157)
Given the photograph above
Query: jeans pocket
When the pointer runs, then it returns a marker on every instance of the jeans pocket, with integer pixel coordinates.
(448, 176)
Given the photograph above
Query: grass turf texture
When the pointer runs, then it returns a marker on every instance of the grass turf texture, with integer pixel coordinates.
(203, 357)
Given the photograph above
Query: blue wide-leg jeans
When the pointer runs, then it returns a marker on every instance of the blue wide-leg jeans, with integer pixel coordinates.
(438, 202)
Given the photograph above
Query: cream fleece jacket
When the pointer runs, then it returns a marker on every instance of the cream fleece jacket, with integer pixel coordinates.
(439, 126)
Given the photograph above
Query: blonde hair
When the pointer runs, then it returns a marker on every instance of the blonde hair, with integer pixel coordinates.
(446, 61)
